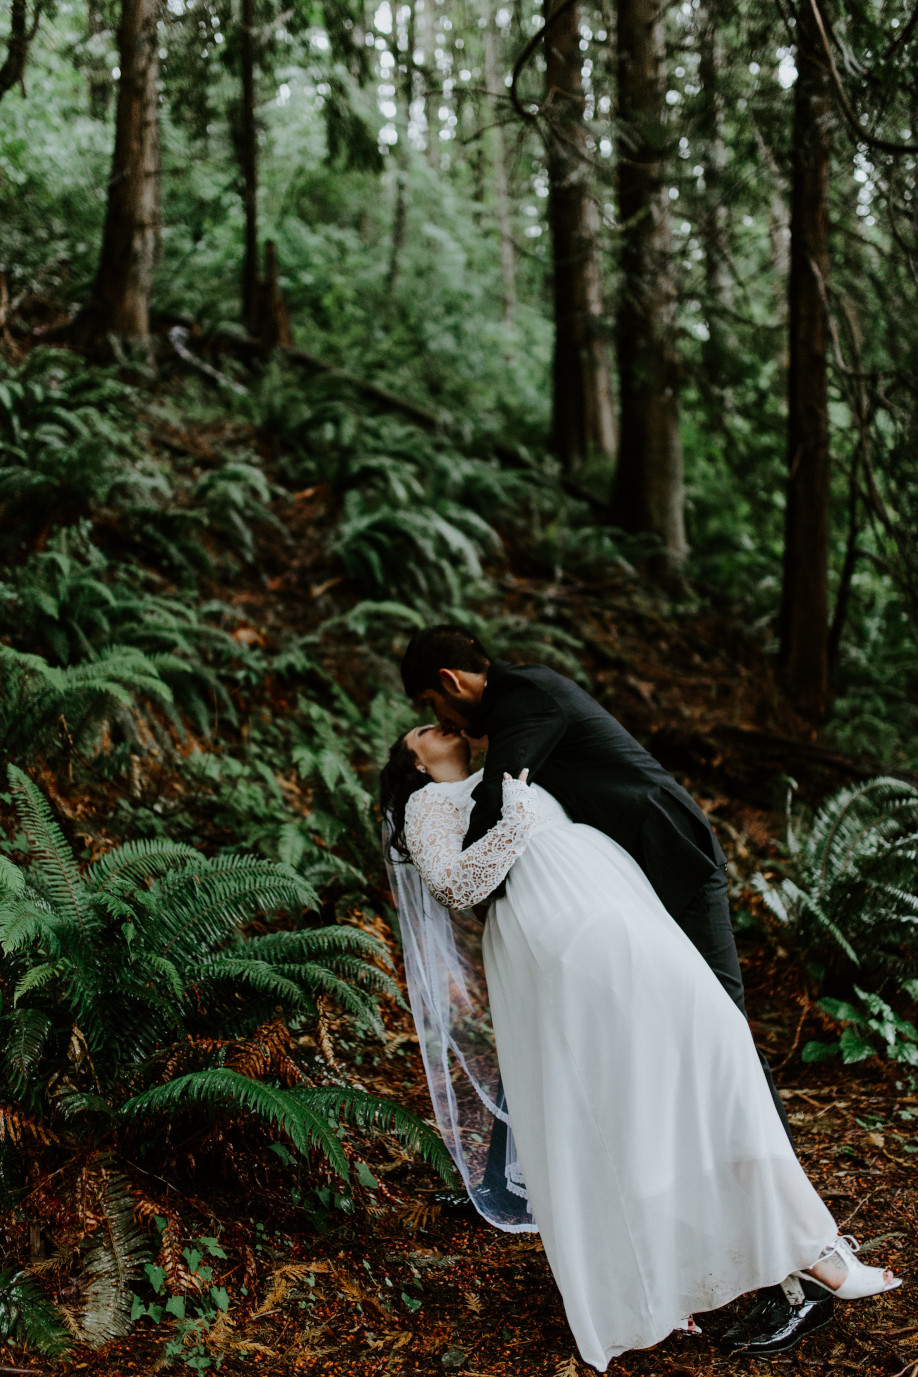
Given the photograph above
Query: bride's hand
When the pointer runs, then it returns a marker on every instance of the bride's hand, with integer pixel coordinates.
(523, 776)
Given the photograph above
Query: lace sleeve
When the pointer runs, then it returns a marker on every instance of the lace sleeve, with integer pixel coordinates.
(434, 831)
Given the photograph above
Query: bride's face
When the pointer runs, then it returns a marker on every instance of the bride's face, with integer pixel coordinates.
(439, 750)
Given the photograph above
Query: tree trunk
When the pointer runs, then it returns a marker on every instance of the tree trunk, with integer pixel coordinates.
(804, 597)
(249, 155)
(648, 497)
(583, 416)
(119, 302)
(273, 318)
(432, 95)
(403, 77)
(17, 44)
(97, 71)
(715, 221)
(494, 86)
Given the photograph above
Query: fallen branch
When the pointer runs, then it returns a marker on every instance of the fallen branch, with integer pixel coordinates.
(178, 337)
(428, 420)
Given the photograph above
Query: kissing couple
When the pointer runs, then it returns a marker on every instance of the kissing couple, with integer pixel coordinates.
(627, 1115)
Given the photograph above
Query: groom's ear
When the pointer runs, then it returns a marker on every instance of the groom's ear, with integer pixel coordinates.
(449, 680)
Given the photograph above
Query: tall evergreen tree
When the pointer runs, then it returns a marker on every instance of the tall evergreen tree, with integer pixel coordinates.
(804, 596)
(583, 419)
(118, 306)
(648, 498)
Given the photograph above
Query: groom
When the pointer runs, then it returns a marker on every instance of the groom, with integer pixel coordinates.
(534, 717)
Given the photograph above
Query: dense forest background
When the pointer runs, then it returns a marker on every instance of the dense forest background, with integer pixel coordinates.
(589, 327)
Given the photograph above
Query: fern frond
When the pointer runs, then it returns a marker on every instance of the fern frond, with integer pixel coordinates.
(230, 1090)
(55, 859)
(375, 1114)
(26, 1312)
(135, 861)
(112, 1264)
(26, 1034)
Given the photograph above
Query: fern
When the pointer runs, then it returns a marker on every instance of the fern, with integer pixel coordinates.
(853, 879)
(373, 1114)
(219, 1086)
(852, 898)
(49, 848)
(123, 960)
(111, 1265)
(28, 1315)
(43, 708)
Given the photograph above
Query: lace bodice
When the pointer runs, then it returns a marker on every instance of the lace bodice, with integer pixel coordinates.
(435, 822)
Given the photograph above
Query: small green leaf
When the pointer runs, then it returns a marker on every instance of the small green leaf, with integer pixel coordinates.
(365, 1176)
(411, 1302)
(855, 1048)
(220, 1297)
(841, 1010)
(156, 1276)
(175, 1305)
(819, 1051)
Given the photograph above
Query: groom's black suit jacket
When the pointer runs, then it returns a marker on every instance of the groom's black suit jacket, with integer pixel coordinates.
(597, 771)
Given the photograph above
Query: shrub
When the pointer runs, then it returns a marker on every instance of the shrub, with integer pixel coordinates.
(131, 1000)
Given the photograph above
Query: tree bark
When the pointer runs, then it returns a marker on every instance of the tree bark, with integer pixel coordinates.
(17, 44)
(583, 416)
(648, 497)
(494, 86)
(715, 221)
(119, 302)
(97, 70)
(804, 597)
(432, 93)
(249, 156)
(403, 77)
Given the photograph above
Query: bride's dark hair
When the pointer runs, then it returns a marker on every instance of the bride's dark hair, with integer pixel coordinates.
(399, 778)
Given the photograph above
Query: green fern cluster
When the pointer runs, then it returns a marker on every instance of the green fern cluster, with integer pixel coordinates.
(124, 987)
(44, 708)
(64, 444)
(71, 603)
(852, 892)
(415, 515)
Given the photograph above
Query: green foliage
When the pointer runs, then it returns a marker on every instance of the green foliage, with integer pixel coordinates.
(851, 897)
(147, 945)
(192, 1313)
(870, 1026)
(44, 709)
(852, 890)
(64, 448)
(28, 1316)
(123, 993)
(415, 516)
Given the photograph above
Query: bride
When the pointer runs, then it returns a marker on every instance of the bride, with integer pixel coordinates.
(644, 1144)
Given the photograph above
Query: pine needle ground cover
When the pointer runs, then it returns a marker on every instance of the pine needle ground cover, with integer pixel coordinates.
(216, 1238)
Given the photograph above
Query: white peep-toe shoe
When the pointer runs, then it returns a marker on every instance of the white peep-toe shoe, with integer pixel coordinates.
(687, 1326)
(859, 1280)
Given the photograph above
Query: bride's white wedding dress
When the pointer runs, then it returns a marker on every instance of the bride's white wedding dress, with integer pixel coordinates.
(655, 1164)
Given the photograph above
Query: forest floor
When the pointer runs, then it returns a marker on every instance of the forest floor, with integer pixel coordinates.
(400, 1287)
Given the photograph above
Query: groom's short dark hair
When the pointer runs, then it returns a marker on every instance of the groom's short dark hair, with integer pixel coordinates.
(440, 647)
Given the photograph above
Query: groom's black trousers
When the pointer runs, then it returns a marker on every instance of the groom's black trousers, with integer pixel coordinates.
(706, 921)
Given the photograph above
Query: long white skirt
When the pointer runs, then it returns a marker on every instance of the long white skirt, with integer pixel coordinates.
(656, 1165)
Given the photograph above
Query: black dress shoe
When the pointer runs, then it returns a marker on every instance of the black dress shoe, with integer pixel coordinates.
(773, 1325)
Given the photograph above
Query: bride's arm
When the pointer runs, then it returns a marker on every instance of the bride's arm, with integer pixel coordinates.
(457, 878)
